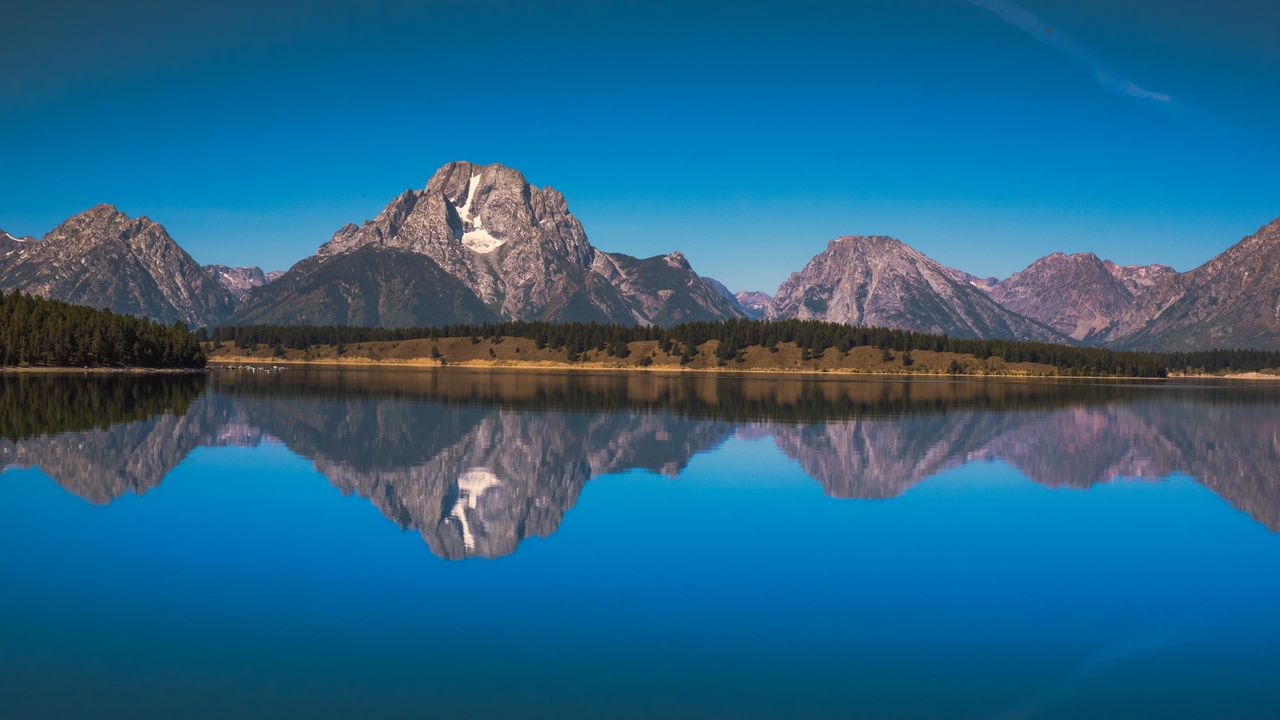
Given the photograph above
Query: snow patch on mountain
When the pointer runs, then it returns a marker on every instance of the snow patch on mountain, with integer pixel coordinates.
(471, 486)
(474, 236)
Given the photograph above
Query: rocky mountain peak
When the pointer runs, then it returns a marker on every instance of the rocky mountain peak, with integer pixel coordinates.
(11, 245)
(10, 237)
(1140, 278)
(984, 284)
(240, 280)
(881, 281)
(517, 248)
(753, 302)
(1231, 301)
(103, 258)
(1074, 294)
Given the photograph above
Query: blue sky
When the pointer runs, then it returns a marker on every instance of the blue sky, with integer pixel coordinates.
(985, 133)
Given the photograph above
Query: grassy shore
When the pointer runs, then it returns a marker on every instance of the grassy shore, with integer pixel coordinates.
(523, 353)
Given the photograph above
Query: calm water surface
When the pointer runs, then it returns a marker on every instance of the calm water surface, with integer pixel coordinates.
(343, 544)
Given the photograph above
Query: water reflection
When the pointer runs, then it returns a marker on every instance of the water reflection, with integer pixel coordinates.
(476, 462)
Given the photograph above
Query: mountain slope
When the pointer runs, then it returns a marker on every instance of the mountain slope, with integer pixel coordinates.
(664, 289)
(525, 256)
(728, 295)
(984, 284)
(880, 281)
(1077, 295)
(1231, 301)
(514, 245)
(103, 258)
(373, 286)
(1137, 279)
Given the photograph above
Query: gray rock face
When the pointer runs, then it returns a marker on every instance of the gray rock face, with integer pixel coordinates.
(984, 284)
(1232, 301)
(103, 258)
(1077, 295)
(1137, 279)
(240, 280)
(10, 244)
(516, 246)
(521, 251)
(664, 290)
(880, 281)
(754, 302)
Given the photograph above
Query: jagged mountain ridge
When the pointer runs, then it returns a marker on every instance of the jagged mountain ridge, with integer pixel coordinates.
(754, 302)
(1077, 295)
(1137, 279)
(1231, 301)
(240, 280)
(665, 290)
(523, 254)
(10, 244)
(103, 258)
(881, 281)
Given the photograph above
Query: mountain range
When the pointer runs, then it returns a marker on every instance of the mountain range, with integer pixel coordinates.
(479, 243)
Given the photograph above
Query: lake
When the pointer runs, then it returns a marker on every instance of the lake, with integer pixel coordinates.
(360, 543)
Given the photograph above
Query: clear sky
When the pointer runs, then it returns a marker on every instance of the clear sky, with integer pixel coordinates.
(986, 133)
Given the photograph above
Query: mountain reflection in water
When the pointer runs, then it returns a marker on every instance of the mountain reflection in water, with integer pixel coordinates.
(478, 461)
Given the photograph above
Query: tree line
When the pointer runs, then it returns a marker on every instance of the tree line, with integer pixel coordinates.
(35, 331)
(37, 404)
(814, 338)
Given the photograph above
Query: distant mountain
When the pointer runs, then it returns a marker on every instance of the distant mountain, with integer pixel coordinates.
(881, 281)
(1137, 279)
(371, 285)
(240, 280)
(1077, 295)
(756, 303)
(982, 283)
(1231, 301)
(103, 258)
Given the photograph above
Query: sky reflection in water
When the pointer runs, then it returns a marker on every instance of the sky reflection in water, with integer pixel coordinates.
(493, 544)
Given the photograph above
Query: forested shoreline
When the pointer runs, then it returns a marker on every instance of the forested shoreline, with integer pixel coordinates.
(37, 332)
(734, 337)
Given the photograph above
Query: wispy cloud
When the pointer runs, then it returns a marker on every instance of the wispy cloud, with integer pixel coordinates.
(1030, 23)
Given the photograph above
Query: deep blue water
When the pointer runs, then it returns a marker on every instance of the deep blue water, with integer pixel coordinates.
(454, 544)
